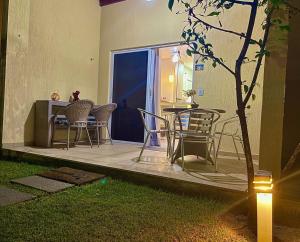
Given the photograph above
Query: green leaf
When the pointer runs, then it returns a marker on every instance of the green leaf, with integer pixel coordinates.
(189, 52)
(285, 27)
(253, 97)
(171, 4)
(248, 107)
(214, 64)
(214, 13)
(246, 88)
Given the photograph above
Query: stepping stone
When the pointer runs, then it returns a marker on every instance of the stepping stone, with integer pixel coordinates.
(42, 183)
(74, 176)
(9, 196)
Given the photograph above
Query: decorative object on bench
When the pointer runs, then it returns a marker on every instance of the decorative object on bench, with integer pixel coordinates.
(55, 96)
(102, 115)
(73, 176)
(74, 97)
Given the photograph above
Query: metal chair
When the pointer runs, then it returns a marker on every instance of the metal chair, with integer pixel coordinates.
(149, 131)
(233, 132)
(102, 115)
(76, 115)
(195, 126)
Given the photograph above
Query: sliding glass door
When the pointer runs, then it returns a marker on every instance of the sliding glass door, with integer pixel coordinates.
(130, 75)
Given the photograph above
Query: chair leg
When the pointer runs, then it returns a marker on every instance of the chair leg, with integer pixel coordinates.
(142, 151)
(109, 135)
(219, 144)
(52, 135)
(98, 139)
(214, 155)
(206, 152)
(68, 141)
(173, 148)
(235, 147)
(77, 139)
(88, 134)
(169, 152)
(182, 152)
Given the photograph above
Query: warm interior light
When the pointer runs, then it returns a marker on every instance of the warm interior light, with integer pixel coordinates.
(263, 187)
(171, 78)
(175, 58)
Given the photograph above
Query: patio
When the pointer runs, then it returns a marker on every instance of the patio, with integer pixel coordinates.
(231, 175)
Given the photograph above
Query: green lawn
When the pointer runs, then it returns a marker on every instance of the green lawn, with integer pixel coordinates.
(116, 211)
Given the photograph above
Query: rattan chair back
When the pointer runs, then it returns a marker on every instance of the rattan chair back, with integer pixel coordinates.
(78, 111)
(103, 113)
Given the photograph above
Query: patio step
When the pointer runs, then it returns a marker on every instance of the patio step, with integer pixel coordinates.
(152, 180)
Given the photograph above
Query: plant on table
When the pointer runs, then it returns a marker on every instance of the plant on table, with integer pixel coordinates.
(190, 93)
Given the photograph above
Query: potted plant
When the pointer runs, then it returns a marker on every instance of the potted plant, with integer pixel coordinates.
(191, 93)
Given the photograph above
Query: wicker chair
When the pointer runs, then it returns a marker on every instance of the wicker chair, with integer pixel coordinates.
(102, 115)
(76, 115)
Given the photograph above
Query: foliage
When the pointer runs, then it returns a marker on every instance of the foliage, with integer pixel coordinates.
(189, 93)
(205, 16)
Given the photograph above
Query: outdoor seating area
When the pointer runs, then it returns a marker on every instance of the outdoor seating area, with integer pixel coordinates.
(79, 115)
(189, 150)
(107, 107)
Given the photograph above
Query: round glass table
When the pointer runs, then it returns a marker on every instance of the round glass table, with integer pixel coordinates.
(177, 110)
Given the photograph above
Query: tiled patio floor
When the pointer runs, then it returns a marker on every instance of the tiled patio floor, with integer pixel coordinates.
(231, 173)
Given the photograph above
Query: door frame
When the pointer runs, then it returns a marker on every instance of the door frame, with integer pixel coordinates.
(111, 71)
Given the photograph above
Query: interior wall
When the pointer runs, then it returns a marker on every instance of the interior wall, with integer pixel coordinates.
(52, 45)
(167, 68)
(151, 23)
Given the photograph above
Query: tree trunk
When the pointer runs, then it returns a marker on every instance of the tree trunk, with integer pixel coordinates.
(247, 147)
(247, 151)
(250, 171)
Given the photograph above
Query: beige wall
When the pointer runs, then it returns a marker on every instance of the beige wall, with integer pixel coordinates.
(52, 45)
(131, 24)
(219, 84)
(136, 23)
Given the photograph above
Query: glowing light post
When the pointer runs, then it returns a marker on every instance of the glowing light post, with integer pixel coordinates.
(263, 186)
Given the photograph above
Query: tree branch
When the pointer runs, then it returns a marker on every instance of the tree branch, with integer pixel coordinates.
(214, 58)
(240, 2)
(259, 62)
(198, 20)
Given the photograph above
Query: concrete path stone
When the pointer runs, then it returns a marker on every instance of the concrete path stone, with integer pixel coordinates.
(9, 196)
(42, 183)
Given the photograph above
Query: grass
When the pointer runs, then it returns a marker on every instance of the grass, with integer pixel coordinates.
(115, 211)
